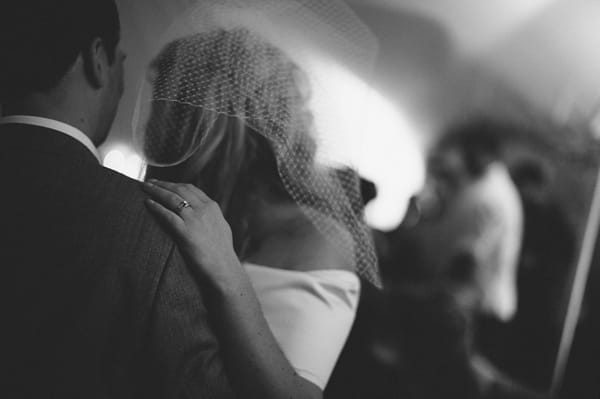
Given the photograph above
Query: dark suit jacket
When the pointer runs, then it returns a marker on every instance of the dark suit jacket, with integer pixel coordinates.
(96, 301)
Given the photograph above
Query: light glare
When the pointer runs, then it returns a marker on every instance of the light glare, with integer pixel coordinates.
(363, 129)
(125, 161)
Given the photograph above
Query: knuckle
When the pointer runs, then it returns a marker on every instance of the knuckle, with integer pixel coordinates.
(172, 196)
(179, 189)
(175, 199)
(191, 190)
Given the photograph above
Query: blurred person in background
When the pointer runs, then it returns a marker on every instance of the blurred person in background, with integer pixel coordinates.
(470, 235)
(473, 226)
(454, 257)
(528, 344)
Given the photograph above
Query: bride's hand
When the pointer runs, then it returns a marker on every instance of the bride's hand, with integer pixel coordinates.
(199, 228)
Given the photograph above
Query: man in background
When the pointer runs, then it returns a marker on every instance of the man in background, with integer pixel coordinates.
(472, 241)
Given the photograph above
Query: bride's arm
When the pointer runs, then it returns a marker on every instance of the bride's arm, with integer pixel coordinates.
(258, 367)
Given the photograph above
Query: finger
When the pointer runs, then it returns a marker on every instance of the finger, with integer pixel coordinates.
(183, 192)
(182, 189)
(166, 217)
(187, 191)
(167, 198)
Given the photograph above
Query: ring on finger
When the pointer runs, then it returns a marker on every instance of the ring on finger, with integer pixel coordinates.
(182, 205)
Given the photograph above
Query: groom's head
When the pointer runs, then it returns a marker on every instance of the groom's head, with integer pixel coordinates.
(61, 59)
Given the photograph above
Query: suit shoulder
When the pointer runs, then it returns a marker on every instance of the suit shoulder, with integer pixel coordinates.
(120, 202)
(118, 192)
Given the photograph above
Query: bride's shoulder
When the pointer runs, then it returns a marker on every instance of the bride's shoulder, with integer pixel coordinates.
(303, 239)
(320, 238)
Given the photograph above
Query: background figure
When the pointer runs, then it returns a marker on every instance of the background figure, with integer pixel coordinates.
(472, 227)
(417, 338)
(531, 339)
(471, 237)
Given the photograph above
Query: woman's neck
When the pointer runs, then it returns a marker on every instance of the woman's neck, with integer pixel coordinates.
(287, 239)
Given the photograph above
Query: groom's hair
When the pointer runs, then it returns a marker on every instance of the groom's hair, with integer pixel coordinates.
(41, 39)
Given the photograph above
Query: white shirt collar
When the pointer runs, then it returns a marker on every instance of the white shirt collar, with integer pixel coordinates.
(54, 125)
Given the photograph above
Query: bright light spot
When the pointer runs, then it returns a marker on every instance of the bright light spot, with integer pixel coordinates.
(361, 128)
(124, 160)
(394, 160)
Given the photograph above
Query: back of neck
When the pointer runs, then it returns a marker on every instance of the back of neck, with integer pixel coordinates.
(51, 107)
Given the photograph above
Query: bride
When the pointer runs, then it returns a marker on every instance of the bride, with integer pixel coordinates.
(277, 239)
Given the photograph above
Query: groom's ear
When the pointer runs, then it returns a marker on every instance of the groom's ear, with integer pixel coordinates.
(96, 63)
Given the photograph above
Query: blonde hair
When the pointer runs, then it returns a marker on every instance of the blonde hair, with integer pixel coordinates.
(234, 163)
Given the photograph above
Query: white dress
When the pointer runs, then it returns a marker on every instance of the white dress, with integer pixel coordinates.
(310, 314)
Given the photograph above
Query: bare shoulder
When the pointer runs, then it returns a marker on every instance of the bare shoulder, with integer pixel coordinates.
(304, 245)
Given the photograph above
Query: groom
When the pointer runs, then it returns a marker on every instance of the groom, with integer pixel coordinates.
(96, 300)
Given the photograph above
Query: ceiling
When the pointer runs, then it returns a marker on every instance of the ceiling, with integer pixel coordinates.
(547, 51)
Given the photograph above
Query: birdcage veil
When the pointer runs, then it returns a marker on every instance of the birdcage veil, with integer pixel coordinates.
(251, 60)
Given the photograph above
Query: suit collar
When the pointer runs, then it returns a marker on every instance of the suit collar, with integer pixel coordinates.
(53, 125)
(21, 141)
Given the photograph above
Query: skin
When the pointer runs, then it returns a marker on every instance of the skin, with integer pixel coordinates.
(288, 240)
(86, 97)
(257, 366)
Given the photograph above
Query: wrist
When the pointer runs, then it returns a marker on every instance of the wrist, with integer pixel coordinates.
(227, 277)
